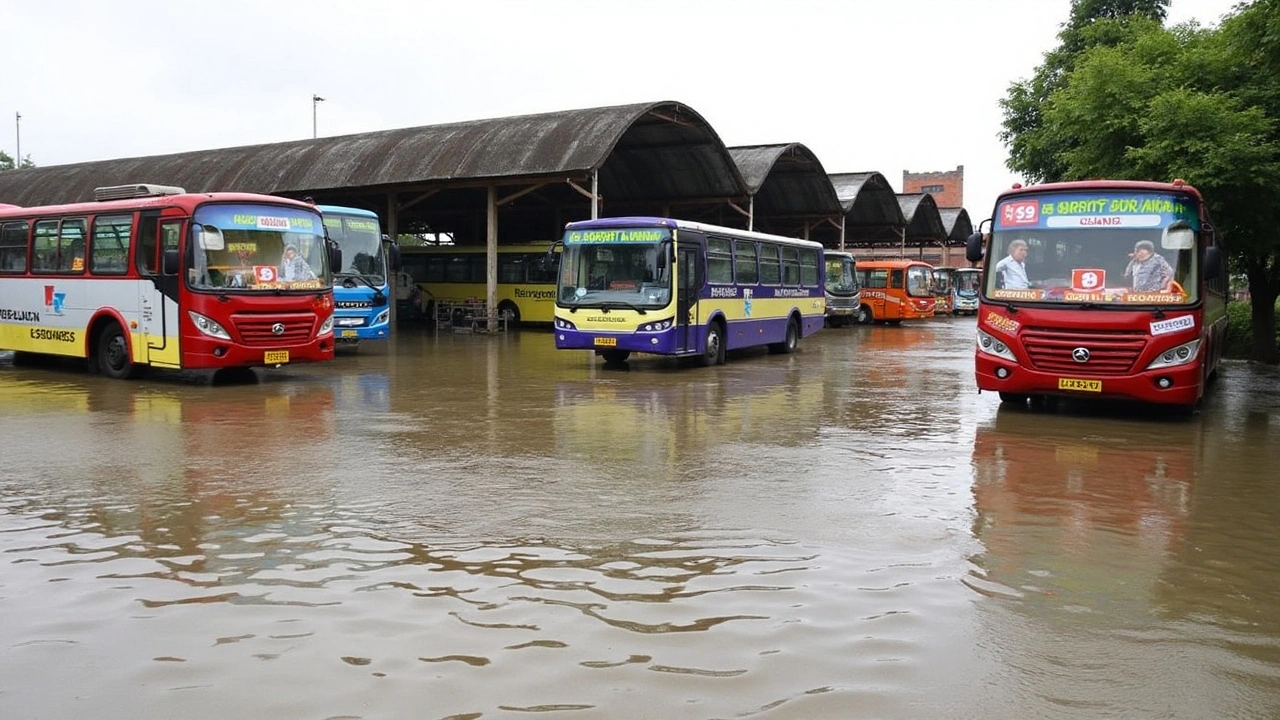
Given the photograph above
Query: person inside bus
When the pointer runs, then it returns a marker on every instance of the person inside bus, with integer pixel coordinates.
(294, 267)
(1149, 270)
(1011, 272)
(598, 279)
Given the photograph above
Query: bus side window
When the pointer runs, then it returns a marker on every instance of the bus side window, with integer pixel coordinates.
(13, 246)
(148, 245)
(895, 278)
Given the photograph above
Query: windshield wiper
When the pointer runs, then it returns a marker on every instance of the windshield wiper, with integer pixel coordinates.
(605, 306)
(377, 291)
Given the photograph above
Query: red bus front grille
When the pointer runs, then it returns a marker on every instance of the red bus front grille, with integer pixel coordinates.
(260, 330)
(1111, 352)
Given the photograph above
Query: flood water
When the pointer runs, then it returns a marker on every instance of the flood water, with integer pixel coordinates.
(463, 526)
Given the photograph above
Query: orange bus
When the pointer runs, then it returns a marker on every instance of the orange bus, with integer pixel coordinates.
(895, 290)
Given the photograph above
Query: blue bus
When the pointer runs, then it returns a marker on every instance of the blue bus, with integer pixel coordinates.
(674, 287)
(361, 287)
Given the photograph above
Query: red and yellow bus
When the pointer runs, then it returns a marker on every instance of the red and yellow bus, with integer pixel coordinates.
(895, 290)
(152, 276)
(1100, 289)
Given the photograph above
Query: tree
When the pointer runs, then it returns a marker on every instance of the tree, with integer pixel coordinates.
(6, 162)
(1163, 103)
(1034, 149)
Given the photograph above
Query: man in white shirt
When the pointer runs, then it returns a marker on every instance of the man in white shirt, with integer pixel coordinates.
(1012, 270)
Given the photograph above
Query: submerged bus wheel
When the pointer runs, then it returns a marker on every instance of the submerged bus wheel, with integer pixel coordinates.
(113, 354)
(864, 315)
(1014, 398)
(788, 346)
(713, 351)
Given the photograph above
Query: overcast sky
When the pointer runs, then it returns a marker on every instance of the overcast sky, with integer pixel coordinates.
(884, 85)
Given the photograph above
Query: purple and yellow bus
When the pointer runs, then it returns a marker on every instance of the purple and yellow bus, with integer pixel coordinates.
(673, 287)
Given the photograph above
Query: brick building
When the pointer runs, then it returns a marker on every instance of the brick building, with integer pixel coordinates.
(946, 187)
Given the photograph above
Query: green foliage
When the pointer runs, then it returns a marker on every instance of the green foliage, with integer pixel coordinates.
(6, 162)
(1124, 97)
(1239, 343)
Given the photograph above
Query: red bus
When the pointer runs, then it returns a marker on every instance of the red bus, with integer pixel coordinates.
(152, 276)
(1100, 289)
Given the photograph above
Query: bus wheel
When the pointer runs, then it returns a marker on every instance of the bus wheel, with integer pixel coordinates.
(509, 313)
(615, 357)
(713, 354)
(864, 316)
(1013, 398)
(113, 354)
(788, 346)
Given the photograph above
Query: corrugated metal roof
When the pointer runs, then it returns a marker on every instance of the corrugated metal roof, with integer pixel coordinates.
(637, 149)
(789, 184)
(923, 221)
(872, 212)
(957, 223)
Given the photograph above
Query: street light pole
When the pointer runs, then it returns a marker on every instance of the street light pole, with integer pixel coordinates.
(17, 136)
(315, 100)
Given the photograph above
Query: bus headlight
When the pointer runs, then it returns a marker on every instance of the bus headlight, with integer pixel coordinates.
(326, 327)
(563, 324)
(383, 316)
(207, 326)
(658, 326)
(1180, 355)
(993, 346)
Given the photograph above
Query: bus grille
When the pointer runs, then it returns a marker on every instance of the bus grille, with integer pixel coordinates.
(1110, 352)
(257, 330)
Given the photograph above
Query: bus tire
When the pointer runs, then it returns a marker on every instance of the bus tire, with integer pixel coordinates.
(789, 345)
(615, 357)
(864, 316)
(113, 354)
(508, 313)
(713, 351)
(1014, 398)
(25, 359)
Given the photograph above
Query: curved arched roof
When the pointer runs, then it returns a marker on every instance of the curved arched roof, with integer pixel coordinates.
(957, 224)
(871, 208)
(634, 147)
(923, 221)
(790, 187)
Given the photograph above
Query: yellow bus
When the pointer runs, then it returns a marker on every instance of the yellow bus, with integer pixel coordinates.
(455, 274)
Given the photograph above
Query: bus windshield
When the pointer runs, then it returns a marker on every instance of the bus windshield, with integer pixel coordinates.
(968, 279)
(256, 248)
(1109, 248)
(841, 279)
(361, 241)
(602, 267)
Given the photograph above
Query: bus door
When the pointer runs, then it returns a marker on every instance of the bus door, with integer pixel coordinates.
(158, 291)
(689, 282)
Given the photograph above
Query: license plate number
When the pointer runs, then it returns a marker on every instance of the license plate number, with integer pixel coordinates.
(606, 342)
(349, 333)
(275, 357)
(1080, 385)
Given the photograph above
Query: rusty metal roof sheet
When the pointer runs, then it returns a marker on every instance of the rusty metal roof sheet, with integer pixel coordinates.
(637, 148)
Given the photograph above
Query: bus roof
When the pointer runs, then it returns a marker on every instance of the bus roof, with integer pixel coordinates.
(891, 263)
(1090, 185)
(185, 200)
(343, 210)
(674, 224)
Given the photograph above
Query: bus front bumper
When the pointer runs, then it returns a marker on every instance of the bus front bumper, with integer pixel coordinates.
(1178, 385)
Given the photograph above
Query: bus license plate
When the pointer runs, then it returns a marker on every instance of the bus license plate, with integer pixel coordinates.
(1080, 385)
(606, 342)
(275, 357)
(349, 333)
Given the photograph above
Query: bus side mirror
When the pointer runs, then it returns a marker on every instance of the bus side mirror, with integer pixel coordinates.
(973, 247)
(1212, 262)
(170, 262)
(664, 257)
(393, 255)
(335, 256)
